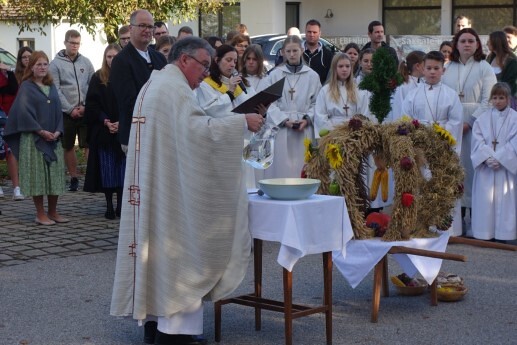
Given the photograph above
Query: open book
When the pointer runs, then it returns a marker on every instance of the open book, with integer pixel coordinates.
(265, 97)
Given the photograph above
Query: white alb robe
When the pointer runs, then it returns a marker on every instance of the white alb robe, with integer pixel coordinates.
(289, 149)
(217, 104)
(257, 82)
(328, 113)
(442, 105)
(494, 200)
(184, 226)
(399, 96)
(475, 79)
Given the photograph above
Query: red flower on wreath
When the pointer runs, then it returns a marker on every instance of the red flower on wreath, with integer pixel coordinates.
(355, 124)
(407, 199)
(406, 163)
(392, 84)
(415, 123)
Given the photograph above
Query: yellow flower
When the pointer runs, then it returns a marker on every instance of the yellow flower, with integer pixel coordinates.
(334, 156)
(308, 149)
(444, 134)
(406, 118)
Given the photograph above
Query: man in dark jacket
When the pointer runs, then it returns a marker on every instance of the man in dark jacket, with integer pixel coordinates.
(131, 69)
(376, 34)
(315, 54)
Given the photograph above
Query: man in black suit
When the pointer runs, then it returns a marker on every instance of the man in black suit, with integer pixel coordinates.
(131, 69)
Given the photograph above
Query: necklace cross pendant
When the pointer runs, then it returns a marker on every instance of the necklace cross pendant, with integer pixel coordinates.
(291, 91)
(494, 143)
(345, 108)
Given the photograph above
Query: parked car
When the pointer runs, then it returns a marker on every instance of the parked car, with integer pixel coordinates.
(7, 58)
(271, 44)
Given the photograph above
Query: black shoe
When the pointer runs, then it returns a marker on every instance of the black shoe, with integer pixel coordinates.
(178, 339)
(74, 184)
(150, 329)
(110, 214)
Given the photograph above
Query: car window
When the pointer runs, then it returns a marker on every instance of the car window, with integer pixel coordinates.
(276, 47)
(7, 58)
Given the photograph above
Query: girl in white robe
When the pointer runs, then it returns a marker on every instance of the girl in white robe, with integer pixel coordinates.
(433, 102)
(494, 156)
(340, 98)
(220, 92)
(294, 112)
(472, 78)
(412, 72)
(253, 67)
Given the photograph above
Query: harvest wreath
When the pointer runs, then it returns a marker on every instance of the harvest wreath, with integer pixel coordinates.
(428, 174)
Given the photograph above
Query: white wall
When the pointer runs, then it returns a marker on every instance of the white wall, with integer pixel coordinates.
(263, 17)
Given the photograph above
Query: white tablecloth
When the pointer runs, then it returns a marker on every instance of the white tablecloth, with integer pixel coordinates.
(362, 255)
(315, 225)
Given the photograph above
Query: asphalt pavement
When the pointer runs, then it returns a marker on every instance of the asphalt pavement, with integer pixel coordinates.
(56, 281)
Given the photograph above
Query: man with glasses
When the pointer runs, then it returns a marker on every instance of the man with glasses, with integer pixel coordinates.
(123, 36)
(72, 72)
(132, 67)
(160, 30)
(194, 243)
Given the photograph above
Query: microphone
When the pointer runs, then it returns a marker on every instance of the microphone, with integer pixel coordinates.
(241, 83)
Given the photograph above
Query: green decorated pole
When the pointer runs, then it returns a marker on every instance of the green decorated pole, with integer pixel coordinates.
(381, 82)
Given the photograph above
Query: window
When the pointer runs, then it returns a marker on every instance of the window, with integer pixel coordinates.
(220, 23)
(412, 17)
(26, 42)
(292, 15)
(486, 15)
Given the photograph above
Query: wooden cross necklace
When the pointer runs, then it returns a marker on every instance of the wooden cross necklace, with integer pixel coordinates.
(291, 87)
(495, 134)
(460, 86)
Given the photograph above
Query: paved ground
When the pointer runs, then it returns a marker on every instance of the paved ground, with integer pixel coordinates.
(55, 289)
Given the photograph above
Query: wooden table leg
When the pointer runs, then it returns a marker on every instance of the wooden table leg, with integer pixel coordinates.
(217, 321)
(288, 306)
(377, 280)
(257, 266)
(327, 294)
(385, 287)
(434, 296)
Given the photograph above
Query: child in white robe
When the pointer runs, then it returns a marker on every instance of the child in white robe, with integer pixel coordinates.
(434, 102)
(340, 98)
(494, 157)
(412, 72)
(294, 112)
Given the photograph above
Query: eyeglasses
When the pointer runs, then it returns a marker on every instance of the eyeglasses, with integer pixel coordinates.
(144, 26)
(207, 67)
(72, 43)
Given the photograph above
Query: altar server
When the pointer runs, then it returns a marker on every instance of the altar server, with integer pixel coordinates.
(494, 157)
(472, 78)
(295, 111)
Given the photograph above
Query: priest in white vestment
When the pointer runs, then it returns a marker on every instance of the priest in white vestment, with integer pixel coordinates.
(494, 156)
(184, 232)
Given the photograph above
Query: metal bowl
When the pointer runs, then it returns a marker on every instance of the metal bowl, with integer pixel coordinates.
(289, 188)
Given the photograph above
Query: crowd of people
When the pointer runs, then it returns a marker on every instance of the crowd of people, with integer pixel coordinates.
(175, 155)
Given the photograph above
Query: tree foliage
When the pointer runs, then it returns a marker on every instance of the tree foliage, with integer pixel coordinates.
(33, 15)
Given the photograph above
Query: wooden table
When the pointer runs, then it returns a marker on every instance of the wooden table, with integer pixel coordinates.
(302, 220)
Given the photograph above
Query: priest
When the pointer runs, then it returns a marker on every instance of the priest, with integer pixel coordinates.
(184, 234)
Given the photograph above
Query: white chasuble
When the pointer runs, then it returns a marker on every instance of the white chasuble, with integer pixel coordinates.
(494, 203)
(184, 226)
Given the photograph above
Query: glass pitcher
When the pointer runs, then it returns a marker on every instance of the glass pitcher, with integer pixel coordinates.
(259, 152)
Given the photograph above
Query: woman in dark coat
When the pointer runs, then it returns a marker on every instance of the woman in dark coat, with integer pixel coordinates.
(106, 161)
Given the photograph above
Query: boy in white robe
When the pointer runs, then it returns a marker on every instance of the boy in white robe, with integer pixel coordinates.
(434, 102)
(494, 157)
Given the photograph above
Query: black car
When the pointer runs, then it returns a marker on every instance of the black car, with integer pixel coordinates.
(271, 44)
